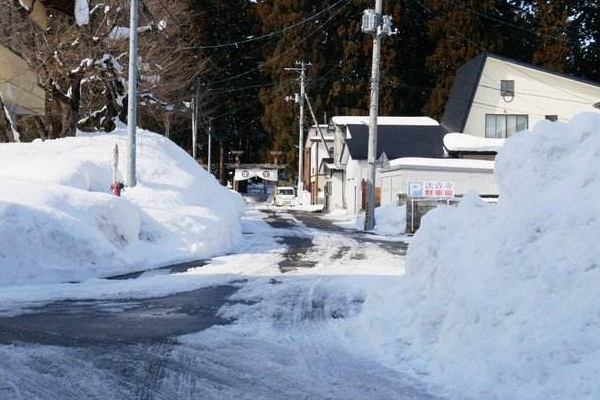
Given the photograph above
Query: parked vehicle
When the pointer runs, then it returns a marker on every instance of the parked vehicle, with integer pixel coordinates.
(284, 196)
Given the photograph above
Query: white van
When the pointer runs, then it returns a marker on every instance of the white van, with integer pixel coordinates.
(284, 196)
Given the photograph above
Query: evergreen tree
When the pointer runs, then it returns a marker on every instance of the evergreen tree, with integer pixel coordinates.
(586, 18)
(339, 75)
(460, 34)
(229, 87)
(553, 50)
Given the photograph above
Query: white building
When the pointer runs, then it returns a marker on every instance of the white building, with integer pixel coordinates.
(318, 152)
(397, 137)
(495, 97)
(492, 98)
(466, 175)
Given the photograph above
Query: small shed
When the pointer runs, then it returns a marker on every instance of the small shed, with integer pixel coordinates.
(464, 174)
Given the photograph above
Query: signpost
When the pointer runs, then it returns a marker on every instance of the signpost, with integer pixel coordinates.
(431, 189)
(429, 193)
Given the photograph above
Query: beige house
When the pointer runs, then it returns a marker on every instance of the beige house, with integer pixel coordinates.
(18, 82)
(494, 97)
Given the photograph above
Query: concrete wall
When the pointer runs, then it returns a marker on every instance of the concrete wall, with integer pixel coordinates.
(18, 84)
(394, 182)
(537, 94)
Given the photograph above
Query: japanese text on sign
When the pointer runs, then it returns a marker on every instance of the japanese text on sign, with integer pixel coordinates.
(431, 189)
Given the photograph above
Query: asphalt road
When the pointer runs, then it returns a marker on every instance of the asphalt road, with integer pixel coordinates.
(131, 348)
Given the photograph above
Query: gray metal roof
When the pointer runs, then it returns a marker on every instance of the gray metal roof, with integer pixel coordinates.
(398, 141)
(462, 93)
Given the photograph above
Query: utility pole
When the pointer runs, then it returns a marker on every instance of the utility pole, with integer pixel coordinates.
(168, 124)
(299, 98)
(209, 144)
(222, 163)
(195, 108)
(132, 99)
(377, 25)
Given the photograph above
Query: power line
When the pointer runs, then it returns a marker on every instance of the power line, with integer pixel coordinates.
(267, 35)
(269, 61)
(480, 47)
(168, 12)
(501, 21)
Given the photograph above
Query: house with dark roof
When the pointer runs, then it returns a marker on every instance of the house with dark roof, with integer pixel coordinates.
(494, 97)
(397, 137)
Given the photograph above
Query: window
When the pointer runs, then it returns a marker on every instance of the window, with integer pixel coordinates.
(552, 118)
(507, 88)
(504, 125)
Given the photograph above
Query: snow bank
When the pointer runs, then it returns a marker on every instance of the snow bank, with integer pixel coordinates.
(364, 120)
(389, 220)
(501, 302)
(82, 12)
(58, 221)
(465, 142)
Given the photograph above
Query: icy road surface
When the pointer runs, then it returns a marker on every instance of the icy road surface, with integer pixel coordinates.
(268, 322)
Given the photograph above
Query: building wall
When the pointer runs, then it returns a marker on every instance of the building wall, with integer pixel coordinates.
(356, 171)
(318, 153)
(537, 94)
(335, 200)
(18, 84)
(396, 181)
(38, 13)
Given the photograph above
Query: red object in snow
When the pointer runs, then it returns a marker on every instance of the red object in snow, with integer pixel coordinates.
(116, 188)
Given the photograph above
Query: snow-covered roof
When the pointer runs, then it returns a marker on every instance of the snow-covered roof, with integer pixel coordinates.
(325, 136)
(440, 163)
(364, 120)
(464, 142)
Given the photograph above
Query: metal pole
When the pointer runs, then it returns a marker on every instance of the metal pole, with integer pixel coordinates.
(115, 163)
(209, 145)
(373, 112)
(316, 192)
(195, 108)
(301, 131)
(132, 99)
(222, 163)
(168, 124)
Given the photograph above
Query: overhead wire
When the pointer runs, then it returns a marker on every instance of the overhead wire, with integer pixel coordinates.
(480, 47)
(270, 34)
(289, 49)
(522, 28)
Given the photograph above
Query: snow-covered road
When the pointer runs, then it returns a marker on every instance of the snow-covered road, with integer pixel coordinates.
(279, 319)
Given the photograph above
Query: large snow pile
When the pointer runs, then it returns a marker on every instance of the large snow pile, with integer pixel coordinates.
(502, 302)
(58, 221)
(390, 219)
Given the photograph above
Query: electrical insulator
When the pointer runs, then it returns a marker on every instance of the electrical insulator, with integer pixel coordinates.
(387, 26)
(370, 22)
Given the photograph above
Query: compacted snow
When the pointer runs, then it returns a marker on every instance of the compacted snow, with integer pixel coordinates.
(60, 223)
(390, 220)
(501, 301)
